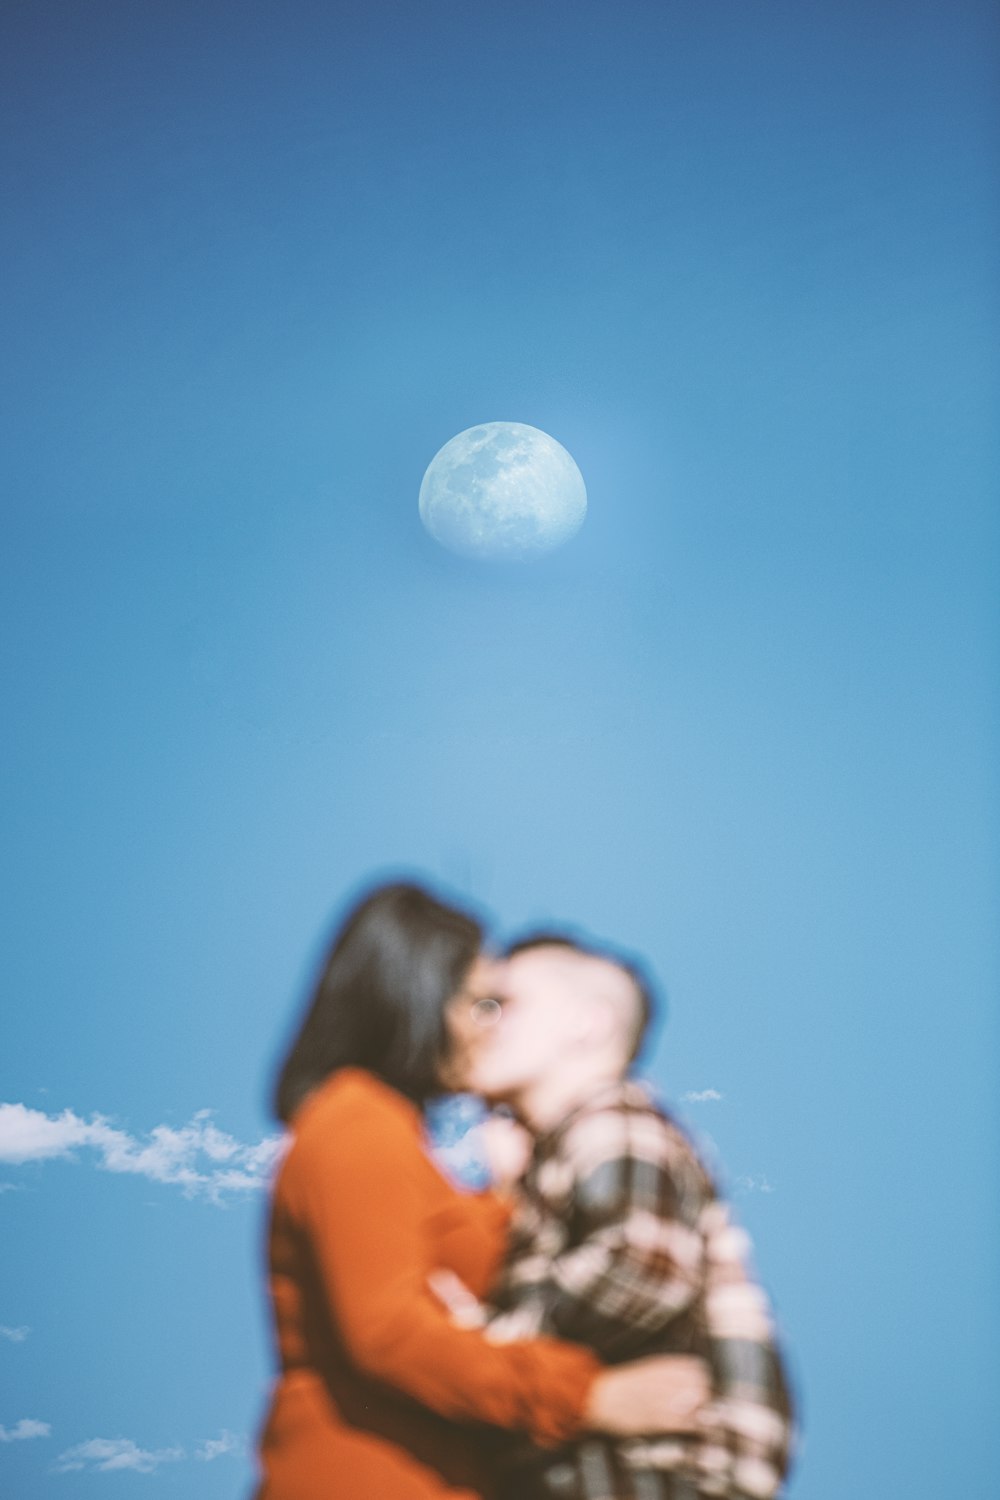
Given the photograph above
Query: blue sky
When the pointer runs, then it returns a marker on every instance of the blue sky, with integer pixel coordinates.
(259, 264)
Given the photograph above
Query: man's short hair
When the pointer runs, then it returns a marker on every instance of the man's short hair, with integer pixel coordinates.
(649, 1004)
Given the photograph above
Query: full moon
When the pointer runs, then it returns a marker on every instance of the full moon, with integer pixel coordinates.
(502, 490)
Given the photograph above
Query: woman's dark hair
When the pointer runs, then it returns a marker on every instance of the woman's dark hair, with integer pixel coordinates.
(380, 1000)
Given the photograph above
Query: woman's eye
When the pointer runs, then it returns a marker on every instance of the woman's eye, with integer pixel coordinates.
(487, 1011)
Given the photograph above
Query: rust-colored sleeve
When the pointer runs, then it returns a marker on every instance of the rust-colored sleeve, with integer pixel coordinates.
(358, 1187)
(491, 1215)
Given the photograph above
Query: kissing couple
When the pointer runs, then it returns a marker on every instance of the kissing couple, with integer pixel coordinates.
(588, 1327)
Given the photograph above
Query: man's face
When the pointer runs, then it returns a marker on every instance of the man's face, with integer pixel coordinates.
(538, 1024)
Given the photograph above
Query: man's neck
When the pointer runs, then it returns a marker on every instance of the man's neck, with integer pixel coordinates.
(545, 1105)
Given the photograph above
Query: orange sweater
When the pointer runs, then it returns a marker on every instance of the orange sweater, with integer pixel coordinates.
(374, 1379)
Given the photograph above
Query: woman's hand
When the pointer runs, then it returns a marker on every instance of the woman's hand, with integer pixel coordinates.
(464, 1308)
(507, 1147)
(660, 1394)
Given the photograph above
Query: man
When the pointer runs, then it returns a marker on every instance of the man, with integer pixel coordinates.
(619, 1240)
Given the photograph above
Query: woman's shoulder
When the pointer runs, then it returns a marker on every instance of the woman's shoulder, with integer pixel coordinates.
(354, 1098)
(350, 1132)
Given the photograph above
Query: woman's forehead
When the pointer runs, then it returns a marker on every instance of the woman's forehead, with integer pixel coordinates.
(486, 969)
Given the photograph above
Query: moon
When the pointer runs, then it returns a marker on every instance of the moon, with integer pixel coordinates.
(502, 490)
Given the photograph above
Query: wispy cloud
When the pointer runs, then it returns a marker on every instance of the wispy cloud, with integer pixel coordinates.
(14, 1335)
(197, 1157)
(701, 1096)
(105, 1454)
(26, 1428)
(226, 1442)
(754, 1183)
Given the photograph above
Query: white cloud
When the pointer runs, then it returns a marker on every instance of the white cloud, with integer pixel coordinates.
(755, 1183)
(197, 1157)
(105, 1454)
(14, 1335)
(226, 1442)
(700, 1096)
(26, 1428)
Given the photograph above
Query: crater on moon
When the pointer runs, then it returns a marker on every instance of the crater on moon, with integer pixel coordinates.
(502, 490)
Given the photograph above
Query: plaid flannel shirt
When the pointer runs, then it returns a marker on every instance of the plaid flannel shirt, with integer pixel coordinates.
(620, 1241)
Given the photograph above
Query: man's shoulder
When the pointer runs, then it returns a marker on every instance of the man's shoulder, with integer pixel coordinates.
(630, 1110)
(628, 1123)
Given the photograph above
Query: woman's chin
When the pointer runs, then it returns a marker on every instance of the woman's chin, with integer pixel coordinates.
(454, 1078)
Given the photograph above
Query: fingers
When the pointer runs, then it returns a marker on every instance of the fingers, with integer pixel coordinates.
(466, 1310)
(507, 1146)
(681, 1388)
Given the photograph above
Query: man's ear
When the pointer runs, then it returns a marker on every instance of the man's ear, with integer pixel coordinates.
(597, 1022)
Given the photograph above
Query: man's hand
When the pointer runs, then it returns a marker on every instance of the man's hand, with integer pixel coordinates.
(660, 1394)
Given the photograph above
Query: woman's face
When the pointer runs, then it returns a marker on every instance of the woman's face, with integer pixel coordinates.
(469, 1017)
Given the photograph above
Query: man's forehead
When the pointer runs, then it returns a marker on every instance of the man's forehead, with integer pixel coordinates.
(562, 967)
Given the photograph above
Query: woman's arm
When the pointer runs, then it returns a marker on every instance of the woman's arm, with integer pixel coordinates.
(659, 1393)
(356, 1188)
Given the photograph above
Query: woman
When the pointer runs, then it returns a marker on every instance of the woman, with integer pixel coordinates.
(379, 1393)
